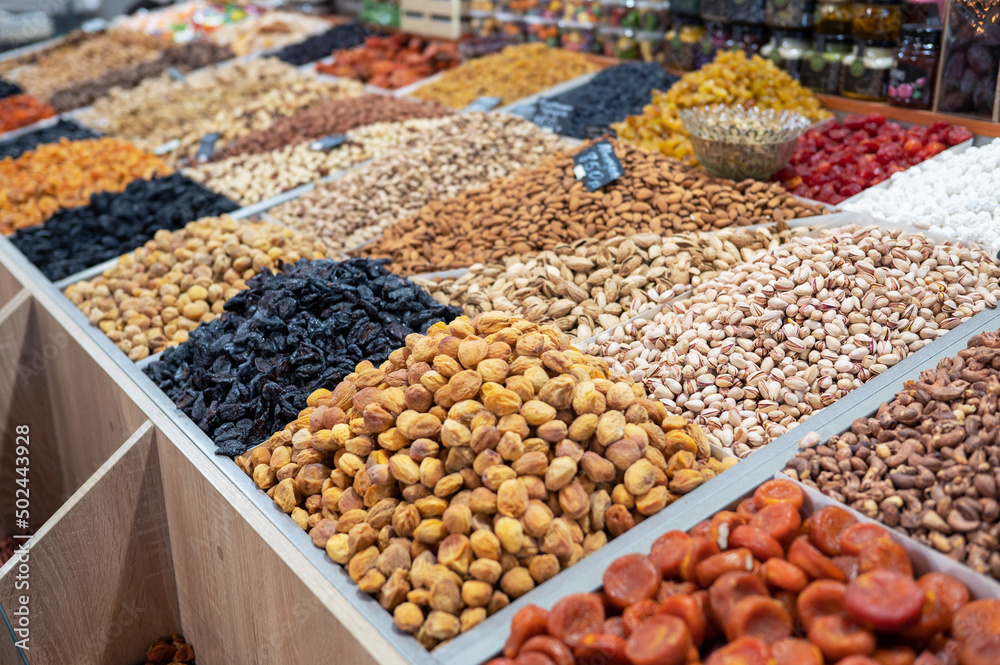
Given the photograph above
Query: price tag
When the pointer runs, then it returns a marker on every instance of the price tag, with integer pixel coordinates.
(169, 146)
(597, 131)
(329, 142)
(173, 73)
(552, 115)
(597, 165)
(484, 104)
(207, 146)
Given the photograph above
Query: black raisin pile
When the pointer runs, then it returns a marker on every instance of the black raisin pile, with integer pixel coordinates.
(319, 46)
(64, 129)
(248, 373)
(8, 89)
(112, 224)
(613, 95)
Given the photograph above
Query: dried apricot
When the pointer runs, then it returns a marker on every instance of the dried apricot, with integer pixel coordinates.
(668, 551)
(781, 574)
(551, 647)
(631, 578)
(779, 490)
(850, 565)
(780, 520)
(897, 655)
(826, 526)
(668, 589)
(575, 616)
(533, 658)
(747, 508)
(760, 617)
(660, 640)
(743, 651)
(723, 523)
(614, 626)
(884, 555)
(698, 549)
(954, 593)
(763, 545)
(730, 589)
(858, 660)
(601, 649)
(813, 562)
(821, 598)
(529, 621)
(710, 569)
(935, 616)
(702, 529)
(792, 651)
(884, 599)
(838, 637)
(500, 661)
(638, 612)
(858, 535)
(686, 608)
(979, 616)
(980, 650)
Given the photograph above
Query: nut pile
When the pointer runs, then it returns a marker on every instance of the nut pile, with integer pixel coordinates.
(514, 73)
(393, 62)
(63, 129)
(114, 223)
(928, 462)
(731, 78)
(22, 110)
(347, 35)
(65, 174)
(248, 372)
(328, 118)
(480, 460)
(232, 99)
(541, 207)
(155, 296)
(757, 350)
(475, 147)
(271, 30)
(589, 286)
(184, 58)
(249, 179)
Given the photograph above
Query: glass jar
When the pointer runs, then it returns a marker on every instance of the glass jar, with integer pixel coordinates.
(650, 46)
(789, 13)
(718, 37)
(769, 51)
(970, 63)
(746, 11)
(791, 50)
(833, 17)
(713, 10)
(749, 38)
(581, 40)
(865, 74)
(821, 66)
(684, 7)
(877, 21)
(911, 81)
(682, 43)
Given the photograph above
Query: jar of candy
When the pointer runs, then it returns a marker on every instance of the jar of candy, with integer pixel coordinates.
(789, 13)
(680, 50)
(791, 51)
(820, 69)
(911, 81)
(865, 75)
(879, 22)
(833, 17)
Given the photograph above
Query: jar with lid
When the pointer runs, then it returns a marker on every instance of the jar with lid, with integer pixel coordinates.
(791, 51)
(865, 74)
(877, 21)
(821, 66)
(682, 43)
(746, 11)
(833, 17)
(911, 81)
(789, 13)
(769, 51)
(749, 38)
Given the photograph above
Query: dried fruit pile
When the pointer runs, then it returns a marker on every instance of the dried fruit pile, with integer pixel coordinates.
(588, 286)
(155, 296)
(543, 206)
(170, 650)
(478, 461)
(63, 129)
(19, 111)
(248, 372)
(840, 160)
(319, 46)
(62, 175)
(514, 73)
(916, 467)
(764, 585)
(731, 78)
(273, 29)
(393, 62)
(114, 223)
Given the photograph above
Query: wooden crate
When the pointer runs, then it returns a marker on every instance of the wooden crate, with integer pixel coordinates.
(445, 19)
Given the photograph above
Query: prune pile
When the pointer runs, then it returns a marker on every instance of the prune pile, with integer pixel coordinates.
(114, 223)
(8, 89)
(249, 372)
(970, 69)
(613, 95)
(64, 129)
(319, 46)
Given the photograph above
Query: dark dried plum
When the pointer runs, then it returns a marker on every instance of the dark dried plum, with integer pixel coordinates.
(64, 129)
(8, 89)
(246, 374)
(319, 46)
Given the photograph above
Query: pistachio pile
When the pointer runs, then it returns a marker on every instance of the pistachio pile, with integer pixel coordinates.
(480, 460)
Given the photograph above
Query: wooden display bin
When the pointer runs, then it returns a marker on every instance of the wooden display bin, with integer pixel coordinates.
(445, 19)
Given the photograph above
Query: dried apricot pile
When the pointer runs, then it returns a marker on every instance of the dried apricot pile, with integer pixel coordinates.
(731, 78)
(393, 62)
(22, 110)
(65, 174)
(764, 585)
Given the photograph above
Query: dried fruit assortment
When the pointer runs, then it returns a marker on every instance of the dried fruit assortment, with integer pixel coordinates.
(543, 206)
(337, 38)
(766, 584)
(918, 468)
(763, 346)
(732, 78)
(248, 373)
(514, 73)
(62, 175)
(19, 111)
(837, 161)
(588, 286)
(155, 296)
(63, 129)
(270, 30)
(393, 62)
(477, 148)
(477, 461)
(170, 650)
(114, 223)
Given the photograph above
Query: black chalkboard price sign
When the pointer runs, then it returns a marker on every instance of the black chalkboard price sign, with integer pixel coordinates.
(552, 115)
(329, 142)
(597, 165)
(207, 146)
